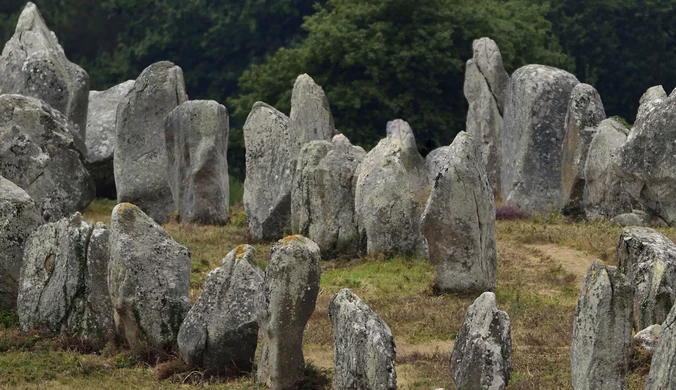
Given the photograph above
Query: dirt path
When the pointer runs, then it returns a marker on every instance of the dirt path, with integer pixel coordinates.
(572, 260)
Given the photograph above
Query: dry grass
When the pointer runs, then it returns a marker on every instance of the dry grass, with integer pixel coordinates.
(534, 288)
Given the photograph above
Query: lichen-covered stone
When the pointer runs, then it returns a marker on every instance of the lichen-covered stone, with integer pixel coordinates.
(220, 332)
(482, 354)
(38, 154)
(459, 221)
(197, 143)
(602, 330)
(652, 98)
(62, 283)
(647, 339)
(648, 259)
(19, 216)
(140, 161)
(322, 196)
(101, 119)
(434, 161)
(663, 364)
(34, 64)
(148, 280)
(638, 218)
(291, 288)
(363, 348)
(585, 113)
(532, 137)
(391, 191)
(310, 117)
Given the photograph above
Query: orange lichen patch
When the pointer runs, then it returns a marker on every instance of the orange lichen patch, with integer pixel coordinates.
(290, 239)
(240, 251)
(122, 207)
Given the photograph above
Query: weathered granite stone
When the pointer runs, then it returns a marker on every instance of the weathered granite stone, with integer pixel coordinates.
(603, 193)
(363, 349)
(291, 288)
(663, 365)
(532, 137)
(488, 59)
(100, 312)
(391, 191)
(322, 196)
(434, 162)
(19, 216)
(60, 287)
(34, 64)
(638, 218)
(648, 259)
(37, 153)
(220, 332)
(652, 98)
(482, 354)
(646, 162)
(101, 119)
(148, 280)
(197, 144)
(647, 339)
(310, 117)
(585, 113)
(459, 221)
(602, 330)
(140, 162)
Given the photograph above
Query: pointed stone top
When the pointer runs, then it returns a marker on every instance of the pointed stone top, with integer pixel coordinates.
(399, 132)
(31, 19)
(653, 93)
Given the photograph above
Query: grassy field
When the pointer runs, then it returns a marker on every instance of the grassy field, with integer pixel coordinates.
(541, 262)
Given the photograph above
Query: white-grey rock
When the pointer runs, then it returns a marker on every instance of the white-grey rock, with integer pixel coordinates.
(532, 137)
(310, 117)
(434, 162)
(291, 288)
(322, 196)
(638, 218)
(270, 163)
(100, 312)
(648, 259)
(485, 85)
(148, 280)
(364, 353)
(100, 141)
(482, 354)
(19, 216)
(585, 113)
(220, 332)
(602, 330)
(61, 289)
(662, 374)
(140, 162)
(391, 191)
(646, 162)
(603, 194)
(648, 338)
(651, 99)
(459, 221)
(197, 144)
(34, 64)
(38, 154)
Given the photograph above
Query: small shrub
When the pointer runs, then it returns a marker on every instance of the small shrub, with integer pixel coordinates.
(506, 213)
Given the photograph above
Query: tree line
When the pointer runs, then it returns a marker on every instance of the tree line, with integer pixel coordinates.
(376, 59)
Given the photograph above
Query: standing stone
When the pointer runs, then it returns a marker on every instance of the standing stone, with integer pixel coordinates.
(482, 354)
(270, 164)
(363, 348)
(392, 188)
(38, 154)
(140, 162)
(19, 216)
(60, 287)
(197, 144)
(485, 85)
(652, 98)
(648, 259)
(585, 113)
(322, 196)
(148, 280)
(663, 365)
(638, 218)
(646, 162)
(310, 117)
(34, 64)
(603, 195)
(647, 339)
(100, 313)
(459, 221)
(291, 288)
(220, 332)
(532, 137)
(434, 161)
(602, 330)
(101, 119)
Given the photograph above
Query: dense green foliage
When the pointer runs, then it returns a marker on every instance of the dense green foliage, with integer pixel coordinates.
(376, 59)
